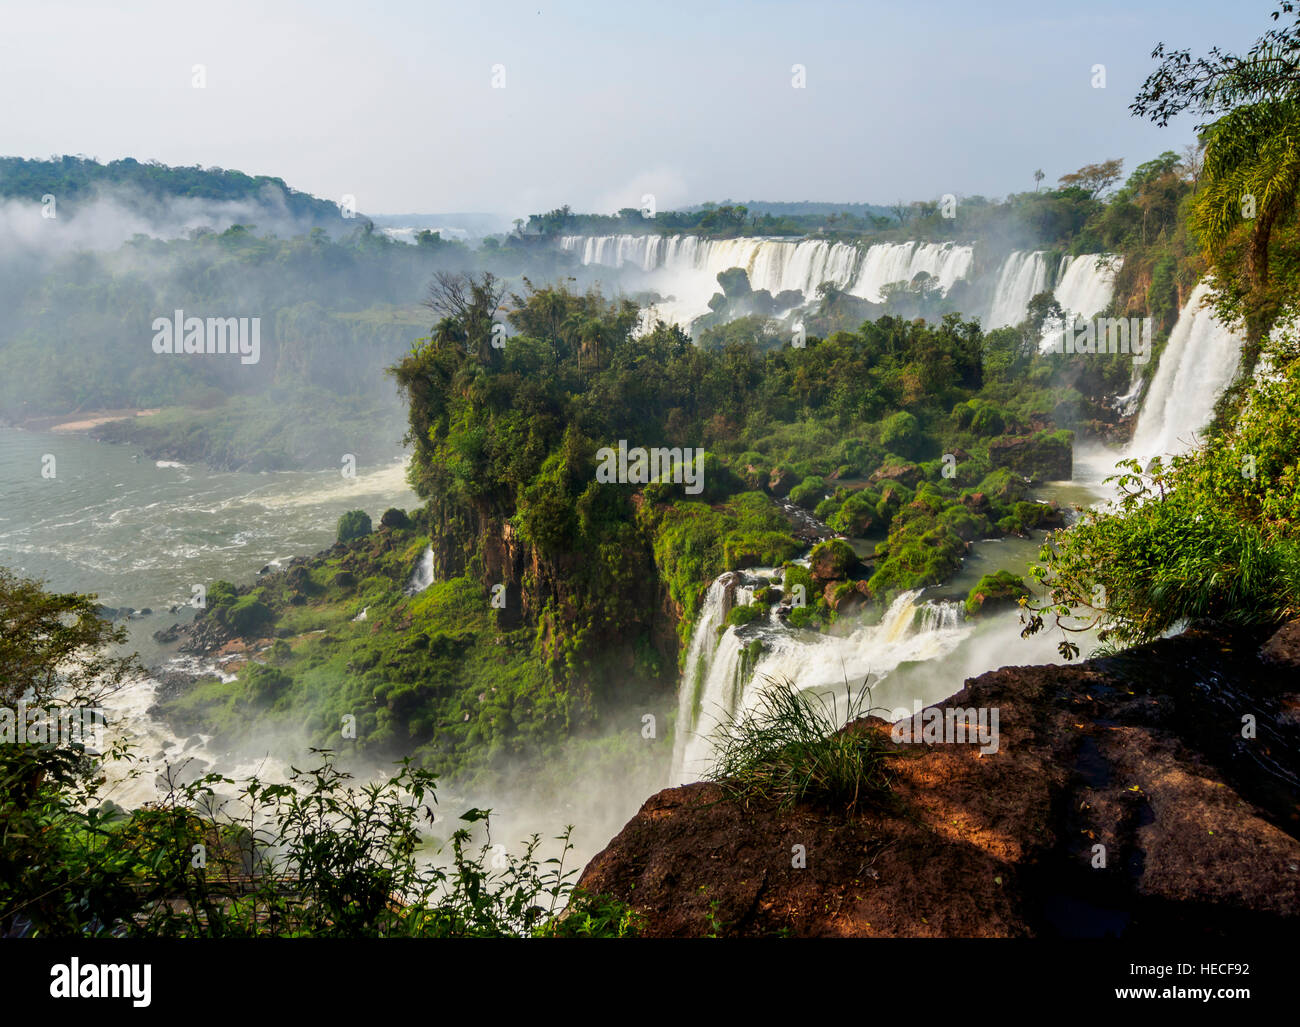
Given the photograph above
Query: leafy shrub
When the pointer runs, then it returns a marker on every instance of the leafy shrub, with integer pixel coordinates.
(221, 593)
(795, 574)
(857, 515)
(1216, 534)
(353, 524)
(264, 683)
(246, 616)
(827, 507)
(746, 614)
(594, 916)
(987, 418)
(901, 434)
(809, 492)
(761, 549)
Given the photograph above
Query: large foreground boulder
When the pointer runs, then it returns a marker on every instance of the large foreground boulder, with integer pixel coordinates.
(1126, 797)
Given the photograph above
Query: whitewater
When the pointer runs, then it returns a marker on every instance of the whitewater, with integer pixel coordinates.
(685, 269)
(923, 650)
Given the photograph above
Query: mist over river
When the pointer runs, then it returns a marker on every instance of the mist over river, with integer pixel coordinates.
(140, 533)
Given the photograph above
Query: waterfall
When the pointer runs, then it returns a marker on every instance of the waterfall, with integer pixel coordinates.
(686, 266)
(699, 661)
(719, 681)
(1199, 362)
(616, 250)
(1023, 276)
(901, 262)
(1082, 287)
(423, 576)
(776, 265)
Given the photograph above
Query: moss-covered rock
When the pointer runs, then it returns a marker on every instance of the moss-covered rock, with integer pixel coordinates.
(993, 590)
(905, 474)
(857, 515)
(1045, 456)
(809, 492)
(832, 561)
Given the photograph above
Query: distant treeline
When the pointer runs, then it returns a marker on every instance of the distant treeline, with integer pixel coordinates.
(72, 179)
(711, 219)
(1084, 214)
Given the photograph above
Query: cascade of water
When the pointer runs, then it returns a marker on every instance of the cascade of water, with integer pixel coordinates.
(1199, 362)
(690, 265)
(885, 263)
(699, 662)
(1082, 287)
(687, 266)
(422, 578)
(722, 687)
(1022, 277)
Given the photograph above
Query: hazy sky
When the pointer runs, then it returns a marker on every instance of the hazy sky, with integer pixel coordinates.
(393, 102)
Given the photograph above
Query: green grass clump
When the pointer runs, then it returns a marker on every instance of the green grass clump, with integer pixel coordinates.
(791, 749)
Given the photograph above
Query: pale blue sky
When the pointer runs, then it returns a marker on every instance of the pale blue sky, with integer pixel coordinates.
(393, 102)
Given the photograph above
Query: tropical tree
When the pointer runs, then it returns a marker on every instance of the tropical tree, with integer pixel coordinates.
(1251, 177)
(1094, 179)
(1251, 170)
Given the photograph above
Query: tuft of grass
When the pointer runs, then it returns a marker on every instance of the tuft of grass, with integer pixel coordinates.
(792, 749)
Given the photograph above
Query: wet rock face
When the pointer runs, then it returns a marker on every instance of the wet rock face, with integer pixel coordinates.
(1282, 650)
(1282, 653)
(1126, 797)
(781, 480)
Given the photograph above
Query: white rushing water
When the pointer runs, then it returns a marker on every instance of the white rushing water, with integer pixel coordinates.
(423, 576)
(686, 267)
(720, 682)
(1083, 287)
(1023, 276)
(901, 262)
(1199, 362)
